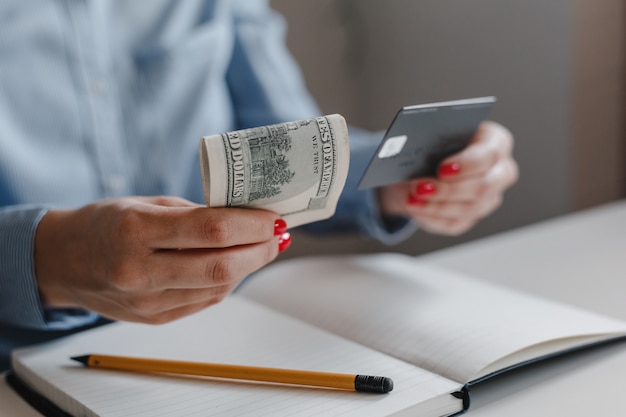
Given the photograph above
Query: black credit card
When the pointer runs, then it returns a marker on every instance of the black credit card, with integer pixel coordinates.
(421, 136)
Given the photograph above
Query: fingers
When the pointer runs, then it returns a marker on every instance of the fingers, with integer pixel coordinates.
(151, 258)
(179, 282)
(173, 227)
(497, 179)
(470, 184)
(162, 306)
(197, 268)
(166, 201)
(491, 143)
(157, 317)
(455, 218)
(452, 208)
(177, 313)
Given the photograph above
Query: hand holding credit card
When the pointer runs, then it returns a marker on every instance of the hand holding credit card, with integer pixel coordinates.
(421, 136)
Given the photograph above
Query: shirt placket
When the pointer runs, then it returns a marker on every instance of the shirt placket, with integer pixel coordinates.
(104, 131)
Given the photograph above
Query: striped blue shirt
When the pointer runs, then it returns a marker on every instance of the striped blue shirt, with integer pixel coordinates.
(109, 98)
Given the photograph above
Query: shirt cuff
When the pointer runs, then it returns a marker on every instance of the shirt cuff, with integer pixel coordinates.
(388, 230)
(358, 210)
(20, 304)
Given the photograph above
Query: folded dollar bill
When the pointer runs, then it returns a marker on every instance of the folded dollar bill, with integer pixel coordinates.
(296, 169)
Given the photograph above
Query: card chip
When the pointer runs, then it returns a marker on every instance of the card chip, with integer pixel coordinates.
(392, 146)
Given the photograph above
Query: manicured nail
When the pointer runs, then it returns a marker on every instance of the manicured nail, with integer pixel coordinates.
(280, 227)
(449, 169)
(425, 188)
(415, 201)
(284, 241)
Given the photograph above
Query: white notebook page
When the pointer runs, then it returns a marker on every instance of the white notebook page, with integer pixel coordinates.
(237, 332)
(442, 321)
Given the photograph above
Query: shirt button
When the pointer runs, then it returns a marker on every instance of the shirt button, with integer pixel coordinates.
(115, 184)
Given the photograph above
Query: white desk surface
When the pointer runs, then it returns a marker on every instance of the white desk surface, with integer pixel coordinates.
(579, 259)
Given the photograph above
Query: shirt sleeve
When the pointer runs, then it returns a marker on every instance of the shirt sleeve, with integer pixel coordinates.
(264, 80)
(357, 211)
(20, 304)
(267, 87)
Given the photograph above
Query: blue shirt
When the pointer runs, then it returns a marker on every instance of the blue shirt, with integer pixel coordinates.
(109, 98)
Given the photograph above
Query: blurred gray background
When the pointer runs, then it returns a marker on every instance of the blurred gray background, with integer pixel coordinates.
(557, 68)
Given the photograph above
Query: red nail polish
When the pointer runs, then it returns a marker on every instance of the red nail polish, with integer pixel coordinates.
(284, 241)
(415, 201)
(280, 227)
(425, 188)
(449, 169)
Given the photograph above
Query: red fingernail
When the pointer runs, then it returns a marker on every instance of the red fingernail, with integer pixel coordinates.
(280, 227)
(425, 188)
(284, 241)
(451, 168)
(415, 201)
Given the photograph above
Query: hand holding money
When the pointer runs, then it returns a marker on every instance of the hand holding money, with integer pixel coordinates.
(296, 169)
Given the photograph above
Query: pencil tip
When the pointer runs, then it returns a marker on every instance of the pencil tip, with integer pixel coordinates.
(82, 359)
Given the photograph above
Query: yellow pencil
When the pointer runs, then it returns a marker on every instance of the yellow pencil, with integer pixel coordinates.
(361, 383)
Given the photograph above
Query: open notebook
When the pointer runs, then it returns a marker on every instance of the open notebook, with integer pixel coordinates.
(434, 332)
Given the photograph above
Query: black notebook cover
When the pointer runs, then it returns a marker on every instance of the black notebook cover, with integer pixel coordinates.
(32, 397)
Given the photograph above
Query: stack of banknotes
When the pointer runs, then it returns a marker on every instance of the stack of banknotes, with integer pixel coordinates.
(296, 169)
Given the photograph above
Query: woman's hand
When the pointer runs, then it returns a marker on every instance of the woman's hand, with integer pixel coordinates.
(469, 185)
(151, 259)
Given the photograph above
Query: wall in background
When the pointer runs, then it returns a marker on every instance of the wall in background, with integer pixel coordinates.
(557, 69)
(598, 165)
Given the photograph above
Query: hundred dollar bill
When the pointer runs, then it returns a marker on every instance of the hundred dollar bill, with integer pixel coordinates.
(296, 169)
